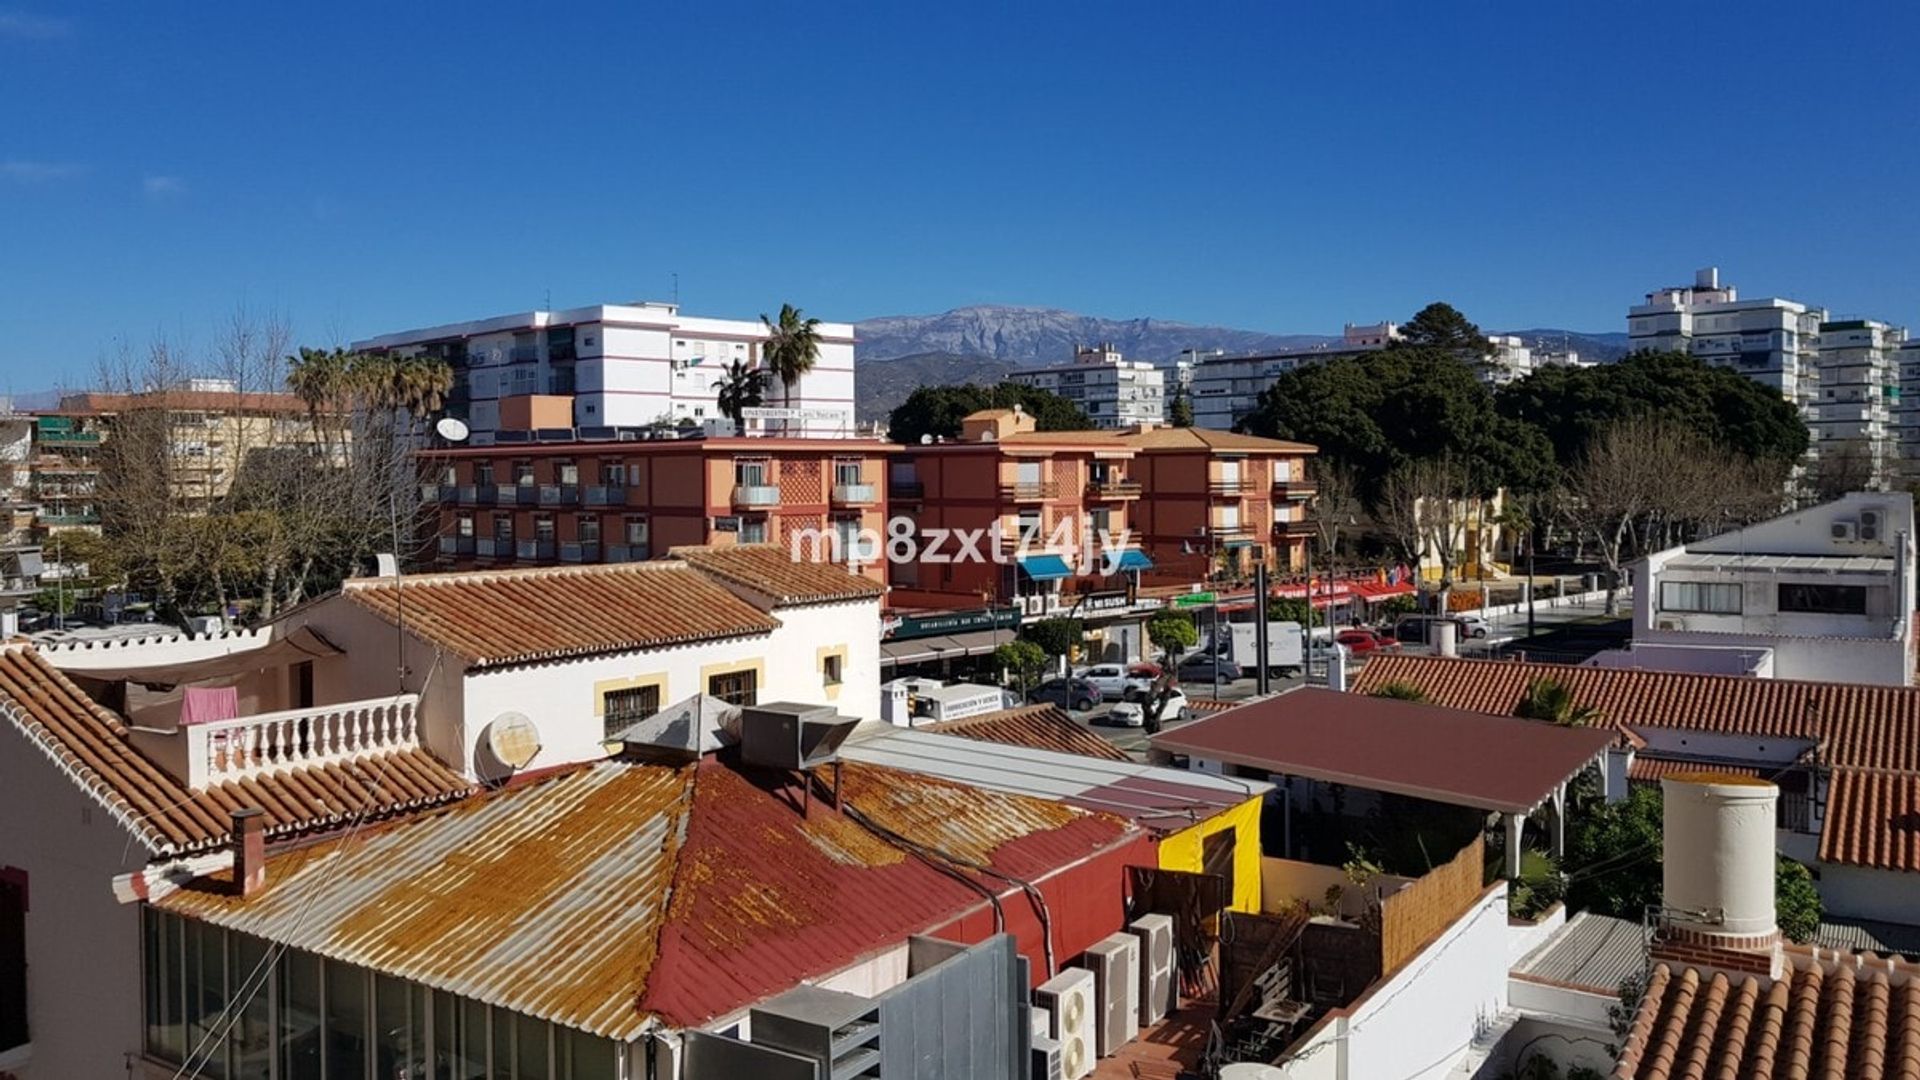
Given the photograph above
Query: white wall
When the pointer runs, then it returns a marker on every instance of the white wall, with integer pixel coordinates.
(83, 947)
(1861, 893)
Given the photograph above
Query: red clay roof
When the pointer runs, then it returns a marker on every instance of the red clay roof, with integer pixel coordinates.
(493, 617)
(1861, 1025)
(1649, 769)
(91, 744)
(602, 896)
(1446, 755)
(1858, 726)
(1872, 820)
(773, 572)
(1037, 727)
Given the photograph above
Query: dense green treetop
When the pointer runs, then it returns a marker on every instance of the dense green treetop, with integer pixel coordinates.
(938, 410)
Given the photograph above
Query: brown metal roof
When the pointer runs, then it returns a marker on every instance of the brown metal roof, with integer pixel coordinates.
(91, 745)
(1446, 755)
(1812, 1022)
(514, 616)
(607, 895)
(1037, 727)
(773, 572)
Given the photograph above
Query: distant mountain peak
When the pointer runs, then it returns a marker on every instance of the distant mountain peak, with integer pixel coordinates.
(1043, 335)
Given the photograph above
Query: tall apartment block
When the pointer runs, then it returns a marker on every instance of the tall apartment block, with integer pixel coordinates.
(1227, 388)
(1772, 341)
(1906, 413)
(619, 366)
(1114, 391)
(1855, 420)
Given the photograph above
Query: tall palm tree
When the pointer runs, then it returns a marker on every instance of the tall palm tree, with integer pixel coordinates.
(742, 388)
(1549, 699)
(793, 347)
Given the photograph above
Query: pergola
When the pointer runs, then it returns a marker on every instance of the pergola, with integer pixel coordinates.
(1496, 764)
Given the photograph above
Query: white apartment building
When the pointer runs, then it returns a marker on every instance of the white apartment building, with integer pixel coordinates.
(1825, 593)
(1771, 341)
(1906, 412)
(623, 366)
(1856, 412)
(1508, 360)
(1114, 391)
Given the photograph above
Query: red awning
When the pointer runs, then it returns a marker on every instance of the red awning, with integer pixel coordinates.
(1380, 591)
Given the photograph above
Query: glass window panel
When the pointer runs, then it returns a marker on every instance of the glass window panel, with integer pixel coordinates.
(250, 1039)
(584, 1057)
(502, 1044)
(530, 1048)
(392, 1028)
(206, 995)
(473, 1041)
(300, 1014)
(346, 1038)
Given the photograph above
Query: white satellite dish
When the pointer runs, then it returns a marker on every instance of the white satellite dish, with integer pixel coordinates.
(513, 739)
(452, 429)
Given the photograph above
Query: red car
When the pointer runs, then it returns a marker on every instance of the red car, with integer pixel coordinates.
(1361, 642)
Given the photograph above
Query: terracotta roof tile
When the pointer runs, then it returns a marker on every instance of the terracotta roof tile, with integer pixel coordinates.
(1857, 1018)
(773, 572)
(1650, 769)
(1037, 727)
(91, 744)
(515, 616)
(1873, 820)
(1193, 438)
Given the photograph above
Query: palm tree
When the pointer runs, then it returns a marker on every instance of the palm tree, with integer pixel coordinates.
(742, 388)
(793, 347)
(420, 384)
(1548, 699)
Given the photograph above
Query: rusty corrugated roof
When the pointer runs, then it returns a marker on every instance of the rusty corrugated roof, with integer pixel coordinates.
(606, 895)
(774, 572)
(91, 744)
(492, 617)
(1038, 727)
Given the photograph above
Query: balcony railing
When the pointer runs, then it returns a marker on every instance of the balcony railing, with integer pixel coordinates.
(431, 493)
(1795, 812)
(1295, 489)
(854, 494)
(68, 438)
(756, 495)
(587, 551)
(1027, 491)
(456, 545)
(524, 354)
(906, 490)
(617, 553)
(1294, 530)
(69, 519)
(1230, 487)
(474, 495)
(536, 549)
(1114, 489)
(251, 745)
(492, 547)
(1224, 533)
(606, 495)
(559, 495)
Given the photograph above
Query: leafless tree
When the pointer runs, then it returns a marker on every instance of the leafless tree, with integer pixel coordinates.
(1425, 507)
(1334, 506)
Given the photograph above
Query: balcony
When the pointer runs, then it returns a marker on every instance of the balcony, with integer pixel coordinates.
(1027, 491)
(492, 547)
(454, 546)
(249, 746)
(56, 520)
(559, 495)
(1113, 489)
(473, 494)
(1294, 530)
(619, 553)
(523, 354)
(535, 550)
(430, 493)
(68, 438)
(516, 494)
(756, 495)
(606, 495)
(580, 551)
(854, 494)
(1230, 533)
(1295, 490)
(1229, 488)
(906, 490)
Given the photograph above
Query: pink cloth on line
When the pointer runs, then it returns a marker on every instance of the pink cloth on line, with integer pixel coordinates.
(206, 704)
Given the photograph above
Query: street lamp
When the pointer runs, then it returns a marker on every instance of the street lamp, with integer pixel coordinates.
(1189, 547)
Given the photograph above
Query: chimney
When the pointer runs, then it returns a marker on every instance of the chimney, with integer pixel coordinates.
(249, 851)
(1707, 277)
(1717, 873)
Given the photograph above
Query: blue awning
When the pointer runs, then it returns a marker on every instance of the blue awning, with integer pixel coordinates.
(1236, 545)
(1135, 559)
(1045, 567)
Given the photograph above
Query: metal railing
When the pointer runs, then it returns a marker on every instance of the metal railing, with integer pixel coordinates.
(1114, 489)
(756, 495)
(606, 495)
(251, 745)
(1229, 487)
(535, 549)
(574, 551)
(559, 494)
(906, 490)
(457, 545)
(1295, 489)
(1028, 491)
(849, 494)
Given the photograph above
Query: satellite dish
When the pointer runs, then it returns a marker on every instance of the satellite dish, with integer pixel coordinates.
(513, 739)
(926, 440)
(452, 429)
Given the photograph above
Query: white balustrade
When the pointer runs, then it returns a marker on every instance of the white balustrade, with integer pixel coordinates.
(293, 738)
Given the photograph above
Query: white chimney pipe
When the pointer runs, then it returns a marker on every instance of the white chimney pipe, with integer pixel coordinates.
(1718, 866)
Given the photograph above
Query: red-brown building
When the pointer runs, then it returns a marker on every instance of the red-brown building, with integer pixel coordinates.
(1218, 495)
(532, 504)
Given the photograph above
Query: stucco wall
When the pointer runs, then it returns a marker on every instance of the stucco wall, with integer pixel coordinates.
(1185, 850)
(1869, 894)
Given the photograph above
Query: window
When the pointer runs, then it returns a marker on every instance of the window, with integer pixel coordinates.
(1700, 596)
(1029, 526)
(543, 528)
(569, 473)
(736, 687)
(635, 531)
(753, 530)
(613, 473)
(503, 527)
(483, 474)
(751, 472)
(1824, 599)
(624, 708)
(13, 957)
(586, 528)
(846, 471)
(463, 526)
(523, 472)
(1099, 519)
(830, 669)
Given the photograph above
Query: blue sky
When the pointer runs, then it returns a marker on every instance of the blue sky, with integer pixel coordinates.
(364, 168)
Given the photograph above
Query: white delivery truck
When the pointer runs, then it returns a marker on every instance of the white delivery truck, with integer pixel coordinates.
(1285, 655)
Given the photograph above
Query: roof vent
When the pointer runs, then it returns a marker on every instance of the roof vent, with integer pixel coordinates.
(791, 735)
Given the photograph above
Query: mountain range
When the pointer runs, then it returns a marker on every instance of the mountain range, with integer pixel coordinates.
(983, 343)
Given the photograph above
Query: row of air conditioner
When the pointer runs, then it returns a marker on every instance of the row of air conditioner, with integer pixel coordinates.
(1129, 980)
(1869, 527)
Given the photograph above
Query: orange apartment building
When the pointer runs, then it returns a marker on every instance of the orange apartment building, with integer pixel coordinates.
(1217, 495)
(536, 504)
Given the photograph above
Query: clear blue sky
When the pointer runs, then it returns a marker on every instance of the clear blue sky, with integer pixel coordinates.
(364, 168)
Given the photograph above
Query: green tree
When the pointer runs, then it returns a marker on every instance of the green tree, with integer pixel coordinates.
(741, 388)
(1613, 855)
(1796, 901)
(936, 411)
(1288, 609)
(1055, 637)
(1174, 633)
(1023, 658)
(1549, 699)
(1398, 690)
(792, 347)
(1441, 326)
(1181, 412)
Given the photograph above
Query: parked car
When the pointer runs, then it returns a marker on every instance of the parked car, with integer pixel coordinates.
(1117, 681)
(1418, 629)
(1201, 668)
(1068, 693)
(1134, 713)
(1361, 642)
(1473, 626)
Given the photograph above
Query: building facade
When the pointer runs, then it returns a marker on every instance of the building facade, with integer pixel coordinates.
(1906, 413)
(1114, 391)
(1214, 498)
(535, 504)
(623, 366)
(1773, 341)
(1855, 419)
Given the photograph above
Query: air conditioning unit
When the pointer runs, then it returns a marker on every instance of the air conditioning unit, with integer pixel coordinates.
(1115, 963)
(1069, 999)
(1869, 526)
(1845, 529)
(1159, 988)
(1049, 1061)
(1041, 1026)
